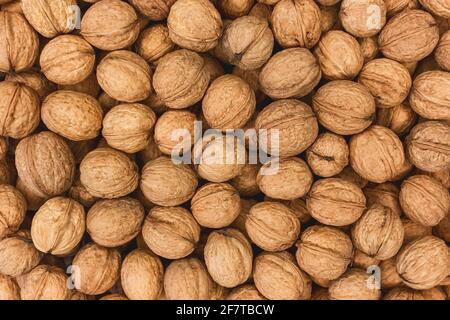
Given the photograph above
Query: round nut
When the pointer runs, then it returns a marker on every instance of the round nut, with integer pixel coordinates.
(114, 296)
(399, 119)
(88, 86)
(396, 6)
(215, 69)
(34, 80)
(232, 9)
(369, 48)
(154, 43)
(363, 18)
(439, 8)
(389, 276)
(385, 194)
(155, 10)
(348, 174)
(352, 285)
(442, 52)
(414, 230)
(9, 290)
(245, 292)
(245, 183)
(404, 293)
(13, 208)
(45, 283)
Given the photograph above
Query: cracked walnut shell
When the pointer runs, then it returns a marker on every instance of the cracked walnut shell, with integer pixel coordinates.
(45, 282)
(13, 208)
(363, 18)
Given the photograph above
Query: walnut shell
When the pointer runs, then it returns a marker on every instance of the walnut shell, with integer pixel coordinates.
(181, 78)
(442, 52)
(414, 230)
(125, 76)
(399, 119)
(339, 55)
(228, 257)
(348, 114)
(142, 275)
(154, 43)
(214, 67)
(369, 48)
(171, 232)
(278, 277)
(45, 283)
(194, 25)
(404, 293)
(252, 78)
(34, 80)
(439, 8)
(423, 263)
(290, 73)
(272, 226)
(396, 6)
(354, 285)
(245, 292)
(329, 18)
(239, 222)
(110, 25)
(115, 222)
(324, 252)
(9, 289)
(245, 183)
(19, 109)
(154, 9)
(262, 10)
(88, 86)
(73, 115)
(409, 36)
(389, 276)
(114, 296)
(335, 202)
(385, 194)
(363, 261)
(442, 230)
(350, 175)
(363, 18)
(79, 193)
(13, 208)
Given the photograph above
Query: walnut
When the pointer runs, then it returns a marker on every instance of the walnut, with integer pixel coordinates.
(245, 183)
(110, 25)
(11, 5)
(345, 114)
(214, 67)
(394, 7)
(9, 290)
(79, 193)
(114, 296)
(296, 205)
(443, 176)
(88, 86)
(171, 232)
(399, 119)
(414, 230)
(369, 48)
(442, 230)
(19, 43)
(156, 10)
(13, 208)
(339, 55)
(228, 257)
(427, 146)
(232, 9)
(19, 109)
(389, 275)
(319, 294)
(262, 10)
(154, 43)
(329, 18)
(335, 202)
(363, 18)
(45, 283)
(442, 52)
(181, 78)
(272, 226)
(194, 25)
(404, 293)
(34, 200)
(363, 261)
(423, 263)
(34, 80)
(439, 8)
(324, 252)
(409, 36)
(124, 76)
(424, 200)
(252, 78)
(385, 194)
(245, 292)
(142, 275)
(239, 222)
(354, 285)
(278, 277)
(290, 73)
(377, 154)
(350, 175)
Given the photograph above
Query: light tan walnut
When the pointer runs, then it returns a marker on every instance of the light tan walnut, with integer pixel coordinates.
(363, 18)
(155, 10)
(442, 52)
(9, 289)
(385, 194)
(154, 43)
(352, 285)
(399, 119)
(45, 283)
(13, 208)
(34, 80)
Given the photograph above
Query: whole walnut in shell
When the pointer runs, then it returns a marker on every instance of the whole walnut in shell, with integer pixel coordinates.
(34, 80)
(278, 277)
(154, 43)
(79, 193)
(399, 119)
(324, 252)
(73, 115)
(252, 78)
(13, 208)
(442, 52)
(363, 18)
(405, 293)
(396, 6)
(439, 8)
(154, 9)
(114, 296)
(171, 232)
(423, 263)
(354, 285)
(115, 222)
(442, 230)
(414, 230)
(364, 261)
(424, 200)
(245, 183)
(335, 202)
(88, 86)
(232, 9)
(45, 283)
(142, 275)
(369, 48)
(389, 276)
(245, 292)
(9, 289)
(350, 175)
(194, 24)
(108, 173)
(228, 257)
(58, 226)
(385, 194)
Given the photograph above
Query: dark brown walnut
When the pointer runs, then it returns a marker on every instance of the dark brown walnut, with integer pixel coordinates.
(423, 263)
(88, 86)
(385, 194)
(354, 285)
(278, 277)
(34, 80)
(399, 119)
(245, 292)
(396, 6)
(344, 107)
(405, 293)
(13, 208)
(377, 154)
(19, 43)
(424, 200)
(414, 230)
(324, 252)
(108, 173)
(428, 146)
(306, 30)
(9, 289)
(232, 9)
(19, 109)
(350, 175)
(363, 18)
(110, 25)
(335, 202)
(440, 8)
(181, 79)
(154, 42)
(245, 183)
(409, 36)
(442, 52)
(286, 127)
(45, 282)
(290, 73)
(329, 155)
(340, 56)
(171, 232)
(155, 10)
(369, 48)
(194, 25)
(389, 275)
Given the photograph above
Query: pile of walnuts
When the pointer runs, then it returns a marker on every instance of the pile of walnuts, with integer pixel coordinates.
(357, 93)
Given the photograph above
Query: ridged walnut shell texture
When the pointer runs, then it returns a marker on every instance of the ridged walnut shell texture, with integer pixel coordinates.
(45, 164)
(399, 119)
(95, 269)
(423, 263)
(58, 226)
(115, 222)
(278, 277)
(194, 25)
(34, 80)
(272, 226)
(171, 232)
(324, 252)
(108, 173)
(142, 275)
(154, 43)
(290, 73)
(88, 86)
(19, 110)
(296, 23)
(232, 9)
(385, 194)
(414, 230)
(369, 48)
(156, 10)
(73, 115)
(344, 107)
(228, 257)
(424, 200)
(45, 283)
(13, 208)
(9, 289)
(396, 6)
(335, 202)
(181, 79)
(389, 276)
(377, 154)
(405, 293)
(110, 25)
(442, 53)
(19, 43)
(409, 36)
(245, 292)
(439, 8)
(353, 285)
(363, 18)
(245, 183)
